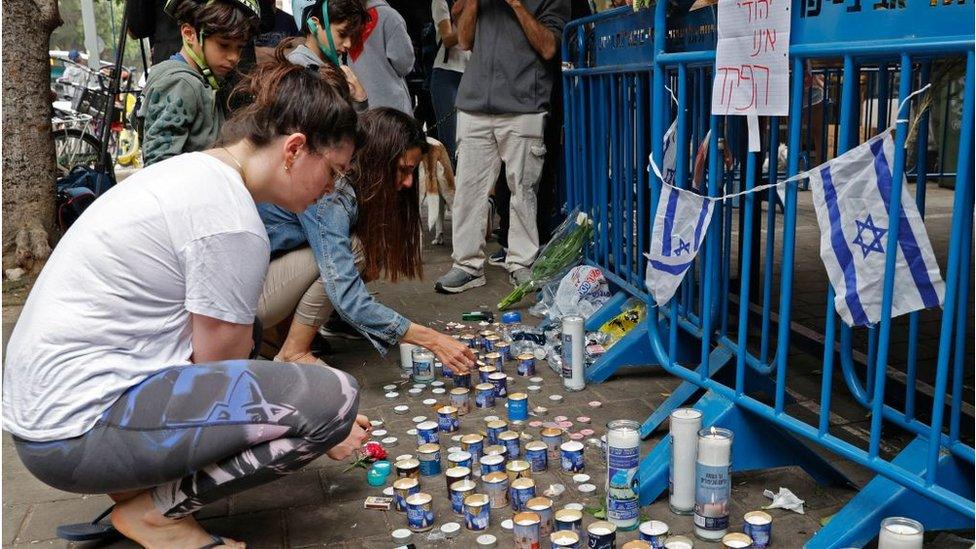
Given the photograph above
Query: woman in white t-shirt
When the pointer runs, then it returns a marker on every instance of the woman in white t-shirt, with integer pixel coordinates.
(449, 66)
(127, 372)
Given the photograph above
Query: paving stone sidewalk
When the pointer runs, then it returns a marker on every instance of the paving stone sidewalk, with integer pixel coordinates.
(321, 506)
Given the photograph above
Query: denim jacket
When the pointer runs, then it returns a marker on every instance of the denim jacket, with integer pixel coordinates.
(326, 227)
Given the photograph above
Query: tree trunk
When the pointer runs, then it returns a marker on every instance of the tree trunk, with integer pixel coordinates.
(29, 168)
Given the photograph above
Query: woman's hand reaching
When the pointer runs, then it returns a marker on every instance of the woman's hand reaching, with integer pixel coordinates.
(357, 437)
(453, 354)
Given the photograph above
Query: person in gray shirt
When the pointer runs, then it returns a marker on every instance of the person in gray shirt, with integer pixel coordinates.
(502, 103)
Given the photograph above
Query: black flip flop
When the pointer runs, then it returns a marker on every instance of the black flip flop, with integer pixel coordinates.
(89, 531)
(215, 541)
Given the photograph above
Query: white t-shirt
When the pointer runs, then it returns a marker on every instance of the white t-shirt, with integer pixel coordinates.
(112, 306)
(457, 58)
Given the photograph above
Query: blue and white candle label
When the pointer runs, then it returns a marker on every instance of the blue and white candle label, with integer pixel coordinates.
(712, 493)
(567, 356)
(623, 503)
(457, 501)
(422, 368)
(420, 516)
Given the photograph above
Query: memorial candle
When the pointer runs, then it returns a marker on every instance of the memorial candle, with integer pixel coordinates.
(713, 472)
(900, 533)
(685, 424)
(406, 355)
(623, 460)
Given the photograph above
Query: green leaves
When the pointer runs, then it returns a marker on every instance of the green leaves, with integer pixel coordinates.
(563, 251)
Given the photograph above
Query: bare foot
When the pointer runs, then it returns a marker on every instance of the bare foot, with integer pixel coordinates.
(138, 520)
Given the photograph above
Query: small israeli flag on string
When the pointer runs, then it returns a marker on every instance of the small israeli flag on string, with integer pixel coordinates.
(670, 153)
(851, 194)
(680, 226)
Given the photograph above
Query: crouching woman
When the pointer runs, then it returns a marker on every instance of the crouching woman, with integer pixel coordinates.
(127, 373)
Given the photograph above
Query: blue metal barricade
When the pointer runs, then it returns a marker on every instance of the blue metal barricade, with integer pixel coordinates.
(729, 330)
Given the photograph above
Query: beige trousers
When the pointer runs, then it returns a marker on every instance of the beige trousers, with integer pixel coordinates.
(293, 284)
(485, 141)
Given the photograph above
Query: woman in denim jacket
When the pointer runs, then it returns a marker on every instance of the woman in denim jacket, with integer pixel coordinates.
(367, 228)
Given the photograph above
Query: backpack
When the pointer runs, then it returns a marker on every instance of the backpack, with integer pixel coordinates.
(77, 190)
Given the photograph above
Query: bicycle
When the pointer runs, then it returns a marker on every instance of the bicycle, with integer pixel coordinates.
(75, 143)
(78, 128)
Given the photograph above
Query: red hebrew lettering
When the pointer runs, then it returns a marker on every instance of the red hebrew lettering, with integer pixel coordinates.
(766, 87)
(748, 4)
(752, 96)
(760, 14)
(726, 85)
(763, 40)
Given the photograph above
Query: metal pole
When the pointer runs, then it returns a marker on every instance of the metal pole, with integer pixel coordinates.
(106, 128)
(91, 34)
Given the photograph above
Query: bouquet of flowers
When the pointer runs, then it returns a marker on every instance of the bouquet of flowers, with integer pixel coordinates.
(370, 452)
(563, 251)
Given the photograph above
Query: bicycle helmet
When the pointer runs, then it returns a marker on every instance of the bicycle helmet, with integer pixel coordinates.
(249, 6)
(298, 9)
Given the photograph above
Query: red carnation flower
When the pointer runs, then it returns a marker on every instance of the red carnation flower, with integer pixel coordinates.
(374, 450)
(370, 452)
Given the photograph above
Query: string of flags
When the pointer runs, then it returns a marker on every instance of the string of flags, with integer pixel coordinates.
(851, 195)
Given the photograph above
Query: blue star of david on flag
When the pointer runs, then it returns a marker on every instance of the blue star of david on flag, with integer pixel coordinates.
(876, 234)
(683, 247)
(852, 195)
(680, 225)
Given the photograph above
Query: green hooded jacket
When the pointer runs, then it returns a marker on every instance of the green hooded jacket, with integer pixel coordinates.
(180, 112)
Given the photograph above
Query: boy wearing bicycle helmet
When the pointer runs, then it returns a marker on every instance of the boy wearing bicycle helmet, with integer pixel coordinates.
(331, 29)
(180, 106)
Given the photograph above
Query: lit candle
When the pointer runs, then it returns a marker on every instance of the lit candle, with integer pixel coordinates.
(685, 424)
(713, 472)
(900, 533)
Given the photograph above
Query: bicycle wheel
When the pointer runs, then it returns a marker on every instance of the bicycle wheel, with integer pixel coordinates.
(75, 147)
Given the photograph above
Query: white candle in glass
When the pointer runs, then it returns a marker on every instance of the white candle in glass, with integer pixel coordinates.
(406, 355)
(623, 459)
(900, 533)
(714, 485)
(685, 424)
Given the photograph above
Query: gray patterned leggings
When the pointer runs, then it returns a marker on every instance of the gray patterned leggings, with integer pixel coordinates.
(198, 433)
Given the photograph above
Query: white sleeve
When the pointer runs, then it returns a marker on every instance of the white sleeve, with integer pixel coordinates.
(224, 275)
(439, 12)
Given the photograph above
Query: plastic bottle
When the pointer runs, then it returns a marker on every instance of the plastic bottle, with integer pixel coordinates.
(511, 323)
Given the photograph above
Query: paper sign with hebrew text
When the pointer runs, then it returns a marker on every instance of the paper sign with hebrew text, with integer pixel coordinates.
(752, 69)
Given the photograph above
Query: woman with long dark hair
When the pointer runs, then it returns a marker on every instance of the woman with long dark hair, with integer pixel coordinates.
(368, 228)
(127, 372)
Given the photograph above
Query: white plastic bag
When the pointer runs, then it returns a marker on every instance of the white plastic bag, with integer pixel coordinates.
(582, 291)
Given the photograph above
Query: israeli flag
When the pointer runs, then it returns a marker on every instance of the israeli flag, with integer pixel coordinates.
(851, 194)
(670, 153)
(679, 229)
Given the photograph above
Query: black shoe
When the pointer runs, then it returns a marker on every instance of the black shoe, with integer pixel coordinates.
(320, 346)
(498, 258)
(336, 327)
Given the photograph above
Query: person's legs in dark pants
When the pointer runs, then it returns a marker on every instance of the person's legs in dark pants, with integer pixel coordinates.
(443, 92)
(502, 200)
(190, 435)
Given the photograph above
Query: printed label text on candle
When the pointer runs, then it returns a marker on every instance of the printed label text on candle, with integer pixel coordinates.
(712, 496)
